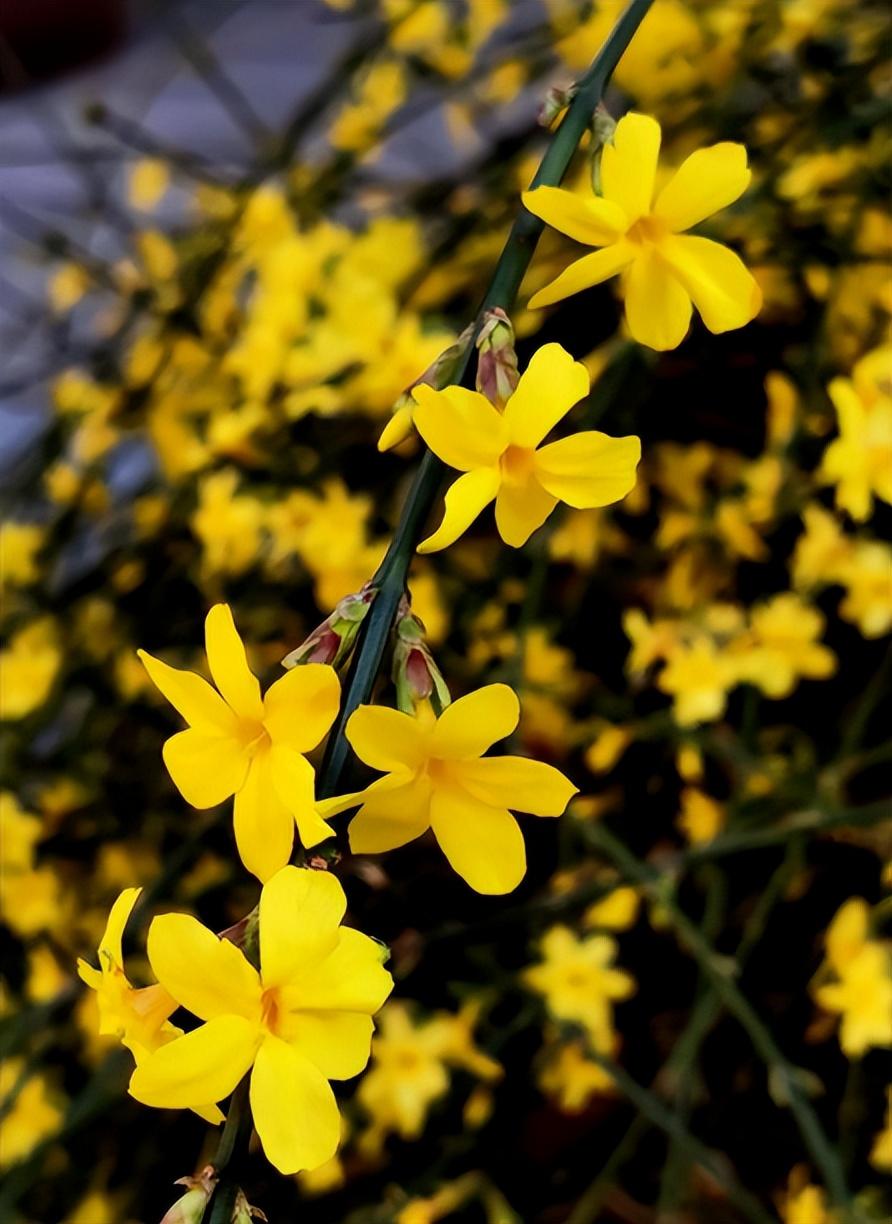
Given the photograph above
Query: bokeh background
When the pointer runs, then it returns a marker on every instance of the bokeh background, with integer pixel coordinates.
(230, 235)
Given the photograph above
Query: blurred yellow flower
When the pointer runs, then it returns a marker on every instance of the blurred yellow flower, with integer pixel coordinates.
(435, 777)
(239, 743)
(859, 461)
(783, 647)
(663, 271)
(303, 1019)
(501, 455)
(29, 666)
(572, 1079)
(860, 981)
(30, 1111)
(577, 979)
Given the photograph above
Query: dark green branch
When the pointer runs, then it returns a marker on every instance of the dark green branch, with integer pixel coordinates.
(517, 253)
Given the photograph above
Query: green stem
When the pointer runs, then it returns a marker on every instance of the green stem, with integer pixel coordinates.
(390, 580)
(783, 1073)
(233, 1139)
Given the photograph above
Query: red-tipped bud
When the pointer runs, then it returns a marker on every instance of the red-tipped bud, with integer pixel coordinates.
(415, 674)
(190, 1208)
(332, 641)
(497, 364)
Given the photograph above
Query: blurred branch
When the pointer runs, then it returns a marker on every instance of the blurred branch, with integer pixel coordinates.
(786, 1077)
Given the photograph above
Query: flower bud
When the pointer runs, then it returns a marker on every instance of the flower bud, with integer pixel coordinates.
(190, 1208)
(497, 364)
(437, 375)
(243, 1212)
(603, 127)
(415, 674)
(332, 641)
(556, 101)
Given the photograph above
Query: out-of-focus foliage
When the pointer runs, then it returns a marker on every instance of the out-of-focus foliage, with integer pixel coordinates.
(708, 661)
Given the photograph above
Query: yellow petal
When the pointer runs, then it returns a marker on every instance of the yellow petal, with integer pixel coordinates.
(300, 913)
(463, 502)
(658, 309)
(483, 844)
(460, 426)
(397, 429)
(206, 768)
(589, 469)
(470, 725)
(295, 780)
(300, 707)
(385, 739)
(294, 1108)
(207, 975)
(587, 219)
(517, 783)
(351, 978)
(119, 914)
(724, 290)
(521, 510)
(583, 273)
(190, 696)
(548, 388)
(229, 664)
(337, 1042)
(201, 1067)
(264, 827)
(391, 817)
(706, 181)
(629, 165)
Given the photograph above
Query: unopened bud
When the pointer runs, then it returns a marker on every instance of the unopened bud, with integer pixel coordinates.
(497, 364)
(603, 129)
(190, 1208)
(243, 1212)
(556, 102)
(439, 374)
(332, 641)
(415, 674)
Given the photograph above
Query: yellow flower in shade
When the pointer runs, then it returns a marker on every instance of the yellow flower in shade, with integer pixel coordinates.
(860, 981)
(572, 1079)
(578, 981)
(698, 676)
(784, 647)
(859, 461)
(303, 1019)
(31, 1111)
(435, 778)
(501, 455)
(138, 1016)
(701, 817)
(663, 270)
(881, 1149)
(804, 1203)
(239, 743)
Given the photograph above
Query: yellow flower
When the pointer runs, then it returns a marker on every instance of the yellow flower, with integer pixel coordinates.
(29, 1116)
(805, 1203)
(578, 981)
(867, 576)
(698, 677)
(239, 743)
(409, 1071)
(29, 665)
(701, 816)
(138, 1017)
(502, 459)
(784, 647)
(860, 989)
(149, 181)
(572, 1079)
(641, 238)
(304, 1018)
(859, 461)
(616, 912)
(434, 778)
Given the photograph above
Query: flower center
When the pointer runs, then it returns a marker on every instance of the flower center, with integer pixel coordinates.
(647, 230)
(252, 733)
(269, 1010)
(517, 464)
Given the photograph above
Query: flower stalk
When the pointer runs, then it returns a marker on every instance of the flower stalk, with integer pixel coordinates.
(390, 579)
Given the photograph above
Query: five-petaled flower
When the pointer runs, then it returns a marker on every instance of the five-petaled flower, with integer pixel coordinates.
(239, 743)
(502, 459)
(434, 778)
(641, 237)
(303, 1019)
